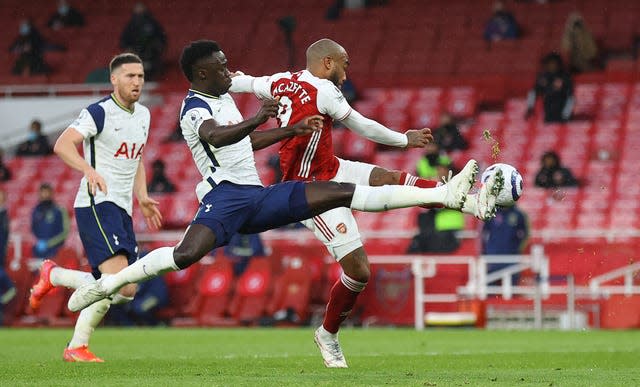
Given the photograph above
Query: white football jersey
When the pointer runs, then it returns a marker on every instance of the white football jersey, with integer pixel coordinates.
(114, 139)
(233, 163)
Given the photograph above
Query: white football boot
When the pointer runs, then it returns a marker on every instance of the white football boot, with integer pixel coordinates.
(330, 348)
(86, 295)
(482, 204)
(459, 185)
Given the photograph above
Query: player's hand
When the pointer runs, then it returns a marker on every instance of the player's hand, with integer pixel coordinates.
(95, 181)
(269, 109)
(418, 138)
(151, 212)
(236, 73)
(307, 125)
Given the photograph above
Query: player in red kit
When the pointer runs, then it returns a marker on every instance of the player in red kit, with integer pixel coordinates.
(315, 91)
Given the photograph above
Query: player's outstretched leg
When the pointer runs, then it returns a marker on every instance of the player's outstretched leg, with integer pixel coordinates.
(482, 205)
(319, 197)
(52, 275)
(323, 196)
(196, 243)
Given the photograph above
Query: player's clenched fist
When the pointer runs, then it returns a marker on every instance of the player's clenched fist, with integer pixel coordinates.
(418, 138)
(268, 109)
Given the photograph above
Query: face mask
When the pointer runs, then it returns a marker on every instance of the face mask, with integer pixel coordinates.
(47, 202)
(33, 136)
(25, 28)
(433, 158)
(63, 9)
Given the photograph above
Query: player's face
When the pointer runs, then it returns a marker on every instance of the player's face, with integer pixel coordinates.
(128, 80)
(339, 71)
(216, 73)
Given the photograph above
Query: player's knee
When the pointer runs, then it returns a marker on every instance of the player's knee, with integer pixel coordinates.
(356, 266)
(128, 292)
(185, 256)
(361, 273)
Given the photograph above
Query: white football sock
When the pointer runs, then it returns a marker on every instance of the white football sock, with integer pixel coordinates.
(68, 278)
(387, 197)
(157, 262)
(87, 322)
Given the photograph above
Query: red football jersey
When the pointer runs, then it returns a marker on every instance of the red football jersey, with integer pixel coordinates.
(301, 95)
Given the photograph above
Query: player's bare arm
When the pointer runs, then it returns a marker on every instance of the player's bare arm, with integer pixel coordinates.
(148, 206)
(223, 135)
(261, 139)
(66, 148)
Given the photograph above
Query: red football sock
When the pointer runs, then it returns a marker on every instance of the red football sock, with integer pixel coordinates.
(341, 301)
(408, 179)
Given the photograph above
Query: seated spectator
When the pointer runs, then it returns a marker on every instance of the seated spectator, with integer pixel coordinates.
(37, 144)
(144, 36)
(578, 45)
(555, 86)
(241, 248)
(151, 296)
(65, 16)
(30, 47)
(5, 173)
(552, 174)
(438, 227)
(349, 91)
(506, 234)
(448, 136)
(427, 166)
(502, 25)
(160, 183)
(49, 224)
(7, 287)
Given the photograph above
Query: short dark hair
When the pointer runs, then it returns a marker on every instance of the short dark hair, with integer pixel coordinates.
(194, 52)
(552, 57)
(123, 58)
(46, 186)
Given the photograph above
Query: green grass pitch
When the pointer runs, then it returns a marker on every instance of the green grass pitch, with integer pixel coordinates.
(281, 357)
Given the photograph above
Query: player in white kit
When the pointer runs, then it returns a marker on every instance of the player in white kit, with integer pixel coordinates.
(232, 198)
(113, 132)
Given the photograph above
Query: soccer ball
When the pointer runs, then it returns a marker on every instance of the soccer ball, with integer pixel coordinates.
(512, 184)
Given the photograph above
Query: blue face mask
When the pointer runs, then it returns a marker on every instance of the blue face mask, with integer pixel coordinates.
(33, 136)
(25, 28)
(63, 9)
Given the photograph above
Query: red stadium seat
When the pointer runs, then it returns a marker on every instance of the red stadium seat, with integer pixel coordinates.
(181, 286)
(292, 293)
(252, 291)
(212, 297)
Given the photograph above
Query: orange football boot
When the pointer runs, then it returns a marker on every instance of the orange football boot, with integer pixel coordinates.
(80, 355)
(43, 286)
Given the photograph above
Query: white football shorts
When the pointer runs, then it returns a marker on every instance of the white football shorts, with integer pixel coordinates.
(337, 228)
